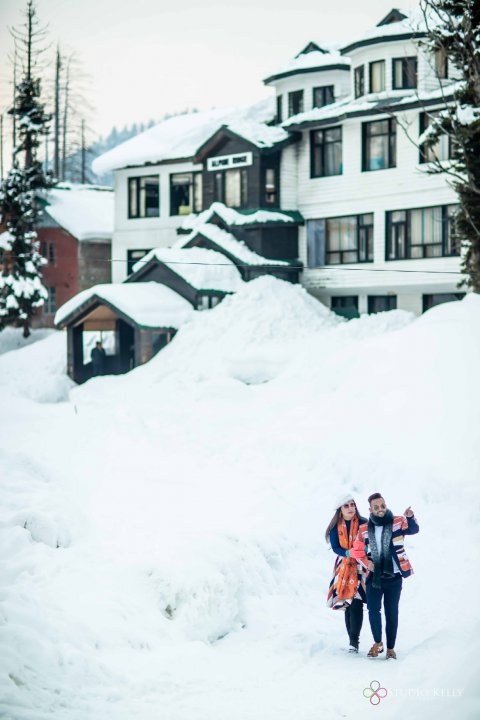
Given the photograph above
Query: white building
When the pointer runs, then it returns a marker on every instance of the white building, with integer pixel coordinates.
(341, 153)
(377, 231)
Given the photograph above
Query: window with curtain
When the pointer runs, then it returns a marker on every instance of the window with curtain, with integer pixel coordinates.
(349, 239)
(359, 81)
(144, 196)
(326, 152)
(379, 145)
(295, 102)
(185, 193)
(377, 76)
(404, 73)
(420, 233)
(322, 96)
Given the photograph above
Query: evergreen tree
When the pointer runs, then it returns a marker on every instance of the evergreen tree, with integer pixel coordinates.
(453, 30)
(21, 288)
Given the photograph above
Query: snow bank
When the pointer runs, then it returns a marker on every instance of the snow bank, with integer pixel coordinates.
(195, 495)
(37, 368)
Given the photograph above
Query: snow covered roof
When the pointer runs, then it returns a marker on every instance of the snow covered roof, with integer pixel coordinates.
(179, 137)
(259, 134)
(201, 268)
(390, 28)
(228, 242)
(85, 211)
(148, 304)
(232, 217)
(371, 103)
(309, 61)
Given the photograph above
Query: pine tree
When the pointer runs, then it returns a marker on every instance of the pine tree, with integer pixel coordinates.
(21, 288)
(453, 29)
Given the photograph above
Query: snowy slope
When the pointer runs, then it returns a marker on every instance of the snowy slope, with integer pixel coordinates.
(188, 501)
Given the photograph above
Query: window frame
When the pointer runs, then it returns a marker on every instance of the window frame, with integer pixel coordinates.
(422, 151)
(50, 304)
(195, 207)
(391, 300)
(279, 110)
(314, 145)
(371, 65)
(359, 226)
(273, 201)
(446, 236)
(405, 73)
(359, 81)
(322, 89)
(440, 63)
(132, 261)
(391, 134)
(220, 176)
(291, 96)
(136, 180)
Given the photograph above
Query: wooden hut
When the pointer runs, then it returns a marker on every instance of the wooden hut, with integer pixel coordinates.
(139, 318)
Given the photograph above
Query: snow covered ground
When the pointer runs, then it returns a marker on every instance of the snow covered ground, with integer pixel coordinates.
(161, 534)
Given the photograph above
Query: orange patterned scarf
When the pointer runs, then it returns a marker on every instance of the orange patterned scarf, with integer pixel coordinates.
(347, 577)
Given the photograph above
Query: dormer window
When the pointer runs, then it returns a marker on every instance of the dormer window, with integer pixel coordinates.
(295, 103)
(359, 81)
(323, 96)
(377, 76)
(404, 73)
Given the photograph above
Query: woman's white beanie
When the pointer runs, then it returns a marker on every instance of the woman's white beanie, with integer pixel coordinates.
(343, 499)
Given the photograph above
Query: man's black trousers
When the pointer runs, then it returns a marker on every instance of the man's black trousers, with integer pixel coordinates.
(390, 591)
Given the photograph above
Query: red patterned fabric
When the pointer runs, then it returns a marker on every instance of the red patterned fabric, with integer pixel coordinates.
(348, 581)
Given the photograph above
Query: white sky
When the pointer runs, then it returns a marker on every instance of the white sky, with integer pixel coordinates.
(149, 57)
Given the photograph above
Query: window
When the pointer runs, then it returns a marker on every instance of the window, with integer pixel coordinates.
(430, 301)
(359, 81)
(336, 241)
(381, 303)
(231, 187)
(349, 239)
(143, 197)
(50, 304)
(279, 109)
(270, 186)
(420, 233)
(295, 102)
(404, 73)
(185, 193)
(323, 96)
(47, 250)
(346, 306)
(377, 76)
(133, 256)
(442, 150)
(379, 144)
(207, 302)
(441, 63)
(326, 152)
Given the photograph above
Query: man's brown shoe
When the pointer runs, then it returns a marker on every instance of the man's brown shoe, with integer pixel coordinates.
(391, 654)
(375, 650)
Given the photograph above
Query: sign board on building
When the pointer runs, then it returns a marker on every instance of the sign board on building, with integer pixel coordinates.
(226, 162)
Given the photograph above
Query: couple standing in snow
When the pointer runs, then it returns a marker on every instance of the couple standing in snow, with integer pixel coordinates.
(371, 563)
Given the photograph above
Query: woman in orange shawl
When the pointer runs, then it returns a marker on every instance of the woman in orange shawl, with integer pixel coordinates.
(347, 586)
